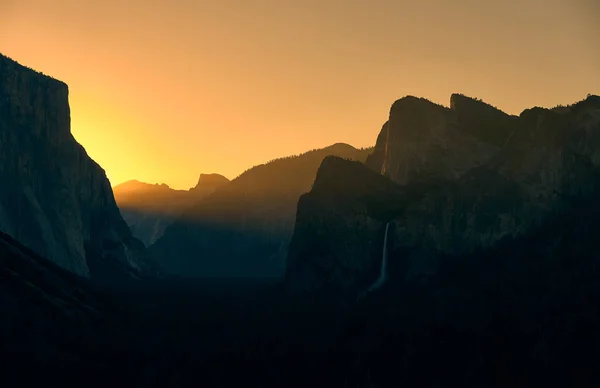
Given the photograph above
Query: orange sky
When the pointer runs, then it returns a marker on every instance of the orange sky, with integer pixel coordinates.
(162, 90)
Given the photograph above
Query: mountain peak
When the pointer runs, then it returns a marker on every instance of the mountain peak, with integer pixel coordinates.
(482, 120)
(26, 85)
(135, 185)
(339, 175)
(360, 196)
(211, 181)
(460, 102)
(9, 64)
(340, 147)
(409, 103)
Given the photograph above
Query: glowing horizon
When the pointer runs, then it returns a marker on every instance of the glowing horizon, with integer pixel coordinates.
(163, 92)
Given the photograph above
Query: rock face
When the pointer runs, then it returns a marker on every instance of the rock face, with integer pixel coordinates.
(471, 176)
(148, 209)
(340, 227)
(425, 141)
(207, 183)
(54, 198)
(243, 229)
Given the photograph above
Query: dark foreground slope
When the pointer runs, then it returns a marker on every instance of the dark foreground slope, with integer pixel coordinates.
(53, 324)
(523, 314)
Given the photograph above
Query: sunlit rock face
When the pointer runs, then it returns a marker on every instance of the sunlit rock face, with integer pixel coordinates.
(469, 176)
(54, 198)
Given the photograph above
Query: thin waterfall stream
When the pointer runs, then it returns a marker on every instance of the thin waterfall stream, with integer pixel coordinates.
(383, 274)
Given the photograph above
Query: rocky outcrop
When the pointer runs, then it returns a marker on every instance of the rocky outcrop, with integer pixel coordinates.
(244, 228)
(55, 199)
(340, 227)
(494, 182)
(207, 183)
(375, 159)
(423, 141)
(149, 209)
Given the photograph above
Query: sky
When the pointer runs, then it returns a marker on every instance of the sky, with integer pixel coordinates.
(164, 90)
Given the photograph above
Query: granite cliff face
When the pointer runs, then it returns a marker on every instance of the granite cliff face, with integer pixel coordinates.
(244, 228)
(207, 183)
(54, 198)
(425, 141)
(340, 227)
(549, 158)
(149, 209)
(472, 176)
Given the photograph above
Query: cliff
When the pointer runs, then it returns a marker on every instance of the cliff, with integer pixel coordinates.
(423, 141)
(339, 227)
(492, 183)
(207, 183)
(149, 209)
(55, 199)
(243, 229)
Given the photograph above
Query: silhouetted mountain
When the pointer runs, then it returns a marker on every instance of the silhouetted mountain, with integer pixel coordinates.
(148, 209)
(54, 198)
(207, 183)
(338, 233)
(493, 262)
(465, 185)
(243, 229)
(425, 140)
(522, 313)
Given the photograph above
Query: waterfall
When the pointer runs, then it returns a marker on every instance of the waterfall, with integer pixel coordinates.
(383, 275)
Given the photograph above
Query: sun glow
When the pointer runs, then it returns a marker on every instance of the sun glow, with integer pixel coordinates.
(162, 93)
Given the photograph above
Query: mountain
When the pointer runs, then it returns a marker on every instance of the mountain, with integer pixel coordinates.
(522, 312)
(451, 181)
(493, 262)
(55, 199)
(207, 183)
(427, 141)
(339, 227)
(243, 229)
(148, 209)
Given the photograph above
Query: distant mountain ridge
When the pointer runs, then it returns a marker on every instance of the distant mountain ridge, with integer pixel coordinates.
(55, 199)
(243, 228)
(149, 208)
(134, 185)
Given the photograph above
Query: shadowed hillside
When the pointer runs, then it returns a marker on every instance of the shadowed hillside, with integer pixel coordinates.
(149, 209)
(243, 229)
